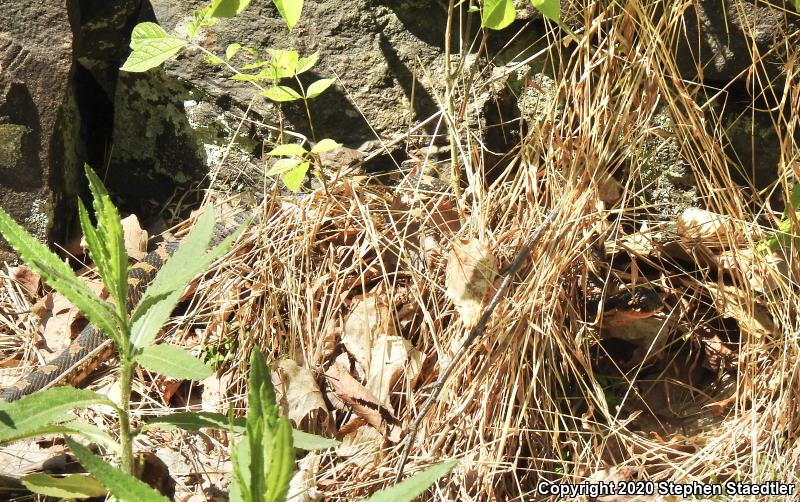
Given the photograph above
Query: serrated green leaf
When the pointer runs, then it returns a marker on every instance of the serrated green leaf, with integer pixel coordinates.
(281, 93)
(409, 489)
(497, 14)
(151, 46)
(124, 487)
(306, 63)
(294, 179)
(108, 253)
(190, 259)
(550, 8)
(173, 362)
(290, 11)
(325, 145)
(318, 87)
(28, 416)
(74, 486)
(201, 18)
(232, 50)
(227, 8)
(287, 149)
(59, 275)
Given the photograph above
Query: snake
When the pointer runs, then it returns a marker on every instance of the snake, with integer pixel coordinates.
(91, 346)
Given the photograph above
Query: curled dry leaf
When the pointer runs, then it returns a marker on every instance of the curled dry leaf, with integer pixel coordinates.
(60, 319)
(752, 317)
(363, 402)
(297, 389)
(471, 270)
(135, 237)
(303, 486)
(368, 321)
(704, 227)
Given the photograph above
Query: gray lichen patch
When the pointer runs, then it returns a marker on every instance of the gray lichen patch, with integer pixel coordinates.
(667, 184)
(11, 145)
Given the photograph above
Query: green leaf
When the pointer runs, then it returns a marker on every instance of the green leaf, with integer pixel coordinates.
(206, 420)
(201, 18)
(325, 145)
(287, 149)
(254, 65)
(173, 362)
(59, 275)
(269, 437)
(151, 46)
(283, 165)
(318, 87)
(305, 64)
(88, 431)
(227, 8)
(310, 442)
(212, 59)
(497, 14)
(232, 50)
(248, 77)
(294, 179)
(31, 414)
(124, 487)
(284, 63)
(108, 249)
(240, 484)
(290, 11)
(411, 488)
(74, 486)
(189, 260)
(281, 93)
(550, 8)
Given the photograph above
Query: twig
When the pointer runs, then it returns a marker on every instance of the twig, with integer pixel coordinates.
(473, 334)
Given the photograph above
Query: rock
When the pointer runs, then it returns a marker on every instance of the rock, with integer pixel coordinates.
(40, 154)
(722, 36)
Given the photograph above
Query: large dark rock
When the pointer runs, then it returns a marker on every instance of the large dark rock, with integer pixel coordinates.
(723, 38)
(40, 155)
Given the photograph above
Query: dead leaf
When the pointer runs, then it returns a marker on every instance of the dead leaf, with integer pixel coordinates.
(388, 360)
(135, 237)
(363, 402)
(471, 270)
(361, 446)
(297, 390)
(27, 279)
(753, 318)
(704, 227)
(60, 320)
(303, 486)
(214, 397)
(368, 321)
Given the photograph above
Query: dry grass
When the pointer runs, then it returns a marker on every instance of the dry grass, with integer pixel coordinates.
(542, 394)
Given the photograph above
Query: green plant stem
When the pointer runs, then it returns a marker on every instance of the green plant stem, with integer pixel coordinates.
(308, 110)
(455, 172)
(125, 437)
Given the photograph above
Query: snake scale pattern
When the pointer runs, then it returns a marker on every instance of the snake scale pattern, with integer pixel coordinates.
(91, 346)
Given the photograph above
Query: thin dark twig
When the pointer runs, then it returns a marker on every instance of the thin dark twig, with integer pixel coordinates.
(473, 334)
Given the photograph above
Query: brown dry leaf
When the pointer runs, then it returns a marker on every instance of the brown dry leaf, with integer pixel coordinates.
(27, 279)
(711, 229)
(214, 397)
(361, 446)
(363, 402)
(297, 390)
(753, 318)
(471, 270)
(135, 237)
(368, 321)
(303, 486)
(60, 320)
(388, 360)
